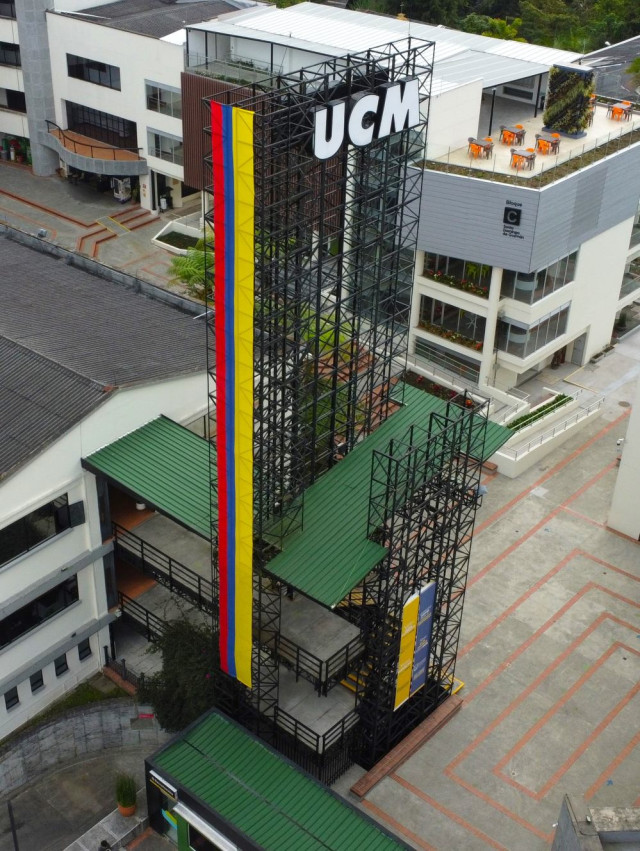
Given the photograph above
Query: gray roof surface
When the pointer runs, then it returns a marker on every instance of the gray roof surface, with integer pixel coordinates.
(66, 337)
(610, 65)
(157, 18)
(39, 401)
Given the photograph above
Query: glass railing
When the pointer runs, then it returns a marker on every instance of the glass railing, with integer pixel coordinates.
(630, 280)
(600, 149)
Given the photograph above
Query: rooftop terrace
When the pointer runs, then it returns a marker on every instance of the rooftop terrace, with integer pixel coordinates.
(604, 137)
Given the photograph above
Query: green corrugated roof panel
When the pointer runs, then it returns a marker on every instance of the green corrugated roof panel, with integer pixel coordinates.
(331, 554)
(271, 801)
(167, 466)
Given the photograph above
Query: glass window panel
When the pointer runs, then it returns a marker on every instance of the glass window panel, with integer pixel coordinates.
(11, 698)
(61, 664)
(37, 681)
(84, 649)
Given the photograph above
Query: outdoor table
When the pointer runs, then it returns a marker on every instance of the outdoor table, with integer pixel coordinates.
(512, 134)
(550, 143)
(619, 111)
(522, 158)
(481, 147)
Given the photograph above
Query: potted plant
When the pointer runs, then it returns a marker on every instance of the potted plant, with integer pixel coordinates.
(126, 794)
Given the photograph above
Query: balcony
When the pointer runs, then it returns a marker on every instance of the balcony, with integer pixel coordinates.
(630, 280)
(471, 278)
(231, 69)
(604, 137)
(635, 236)
(86, 154)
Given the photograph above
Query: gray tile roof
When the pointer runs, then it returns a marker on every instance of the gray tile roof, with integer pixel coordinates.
(157, 18)
(66, 337)
(39, 401)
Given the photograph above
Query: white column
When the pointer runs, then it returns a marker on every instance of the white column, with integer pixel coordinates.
(486, 365)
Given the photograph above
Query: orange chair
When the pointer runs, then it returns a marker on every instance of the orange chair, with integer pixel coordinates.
(617, 113)
(517, 160)
(543, 146)
(476, 150)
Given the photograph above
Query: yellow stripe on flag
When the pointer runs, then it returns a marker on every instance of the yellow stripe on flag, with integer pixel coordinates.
(244, 304)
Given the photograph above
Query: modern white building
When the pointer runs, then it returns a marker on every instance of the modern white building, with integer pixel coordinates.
(72, 379)
(96, 90)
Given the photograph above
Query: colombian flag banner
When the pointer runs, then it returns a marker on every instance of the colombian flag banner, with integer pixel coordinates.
(234, 234)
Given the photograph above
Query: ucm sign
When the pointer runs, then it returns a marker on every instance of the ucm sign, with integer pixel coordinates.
(366, 116)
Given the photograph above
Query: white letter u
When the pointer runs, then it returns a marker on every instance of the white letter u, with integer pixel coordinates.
(323, 146)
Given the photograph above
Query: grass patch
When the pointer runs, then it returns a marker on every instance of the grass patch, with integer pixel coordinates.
(92, 691)
(178, 240)
(528, 419)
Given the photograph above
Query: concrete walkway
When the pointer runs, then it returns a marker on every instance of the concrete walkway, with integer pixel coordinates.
(53, 811)
(550, 654)
(79, 218)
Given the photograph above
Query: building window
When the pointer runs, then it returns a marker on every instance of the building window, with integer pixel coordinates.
(61, 665)
(37, 681)
(522, 340)
(34, 528)
(44, 607)
(166, 101)
(452, 323)
(13, 99)
(7, 9)
(530, 287)
(9, 54)
(465, 275)
(107, 128)
(165, 147)
(11, 698)
(92, 71)
(84, 649)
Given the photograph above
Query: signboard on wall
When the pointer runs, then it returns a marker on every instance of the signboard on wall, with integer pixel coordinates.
(415, 643)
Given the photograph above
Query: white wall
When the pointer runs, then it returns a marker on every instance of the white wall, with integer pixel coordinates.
(625, 507)
(454, 115)
(139, 59)
(57, 470)
(601, 263)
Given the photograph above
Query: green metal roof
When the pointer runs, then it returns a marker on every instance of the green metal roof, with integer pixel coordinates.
(167, 466)
(331, 554)
(272, 802)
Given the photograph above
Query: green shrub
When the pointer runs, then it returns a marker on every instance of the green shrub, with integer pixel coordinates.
(125, 790)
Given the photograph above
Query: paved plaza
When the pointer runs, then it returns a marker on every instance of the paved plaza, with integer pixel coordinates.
(550, 648)
(550, 654)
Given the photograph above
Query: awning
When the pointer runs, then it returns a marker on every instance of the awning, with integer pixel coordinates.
(166, 466)
(332, 554)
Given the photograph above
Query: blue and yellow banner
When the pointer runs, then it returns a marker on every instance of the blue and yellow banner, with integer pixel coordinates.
(415, 643)
(234, 236)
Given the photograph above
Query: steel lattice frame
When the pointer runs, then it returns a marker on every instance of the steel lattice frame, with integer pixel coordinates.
(422, 507)
(334, 269)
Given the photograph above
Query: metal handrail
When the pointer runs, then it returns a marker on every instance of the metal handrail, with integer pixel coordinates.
(581, 414)
(164, 569)
(318, 742)
(68, 142)
(322, 673)
(153, 625)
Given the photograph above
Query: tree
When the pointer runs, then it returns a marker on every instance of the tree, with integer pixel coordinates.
(195, 269)
(492, 27)
(184, 688)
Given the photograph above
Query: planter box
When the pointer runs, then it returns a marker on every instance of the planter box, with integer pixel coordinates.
(176, 227)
